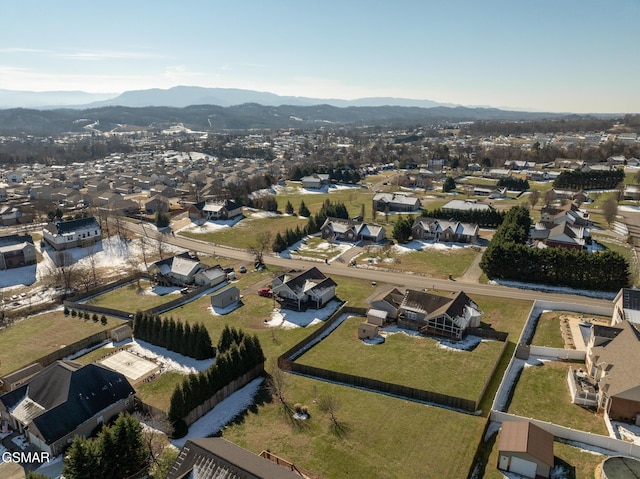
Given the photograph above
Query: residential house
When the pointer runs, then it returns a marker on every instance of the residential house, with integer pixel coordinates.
(572, 214)
(315, 181)
(300, 291)
(96, 186)
(563, 235)
(65, 400)
(3, 192)
(177, 270)
(15, 379)
(63, 235)
(16, 251)
(447, 316)
(612, 365)
(216, 458)
(626, 306)
(396, 202)
(10, 215)
(525, 449)
(225, 297)
(212, 276)
(157, 204)
(432, 229)
(388, 302)
(339, 229)
(215, 210)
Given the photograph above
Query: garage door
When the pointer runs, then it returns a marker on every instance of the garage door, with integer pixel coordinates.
(523, 467)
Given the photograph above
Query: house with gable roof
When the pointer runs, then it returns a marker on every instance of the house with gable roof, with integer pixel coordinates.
(215, 210)
(396, 202)
(340, 229)
(63, 235)
(525, 449)
(432, 229)
(16, 251)
(447, 316)
(186, 269)
(301, 291)
(65, 400)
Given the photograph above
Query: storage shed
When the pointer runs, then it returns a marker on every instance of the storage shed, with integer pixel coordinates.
(367, 331)
(525, 449)
(225, 297)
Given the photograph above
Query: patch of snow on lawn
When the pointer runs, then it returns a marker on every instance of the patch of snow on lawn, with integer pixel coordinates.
(289, 319)
(223, 311)
(554, 289)
(211, 225)
(169, 360)
(222, 414)
(18, 277)
(419, 245)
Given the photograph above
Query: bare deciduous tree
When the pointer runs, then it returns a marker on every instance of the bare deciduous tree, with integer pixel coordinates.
(610, 210)
(534, 197)
(261, 244)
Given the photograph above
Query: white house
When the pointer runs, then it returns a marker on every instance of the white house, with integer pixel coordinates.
(63, 235)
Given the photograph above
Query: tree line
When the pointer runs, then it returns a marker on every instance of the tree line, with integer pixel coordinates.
(193, 341)
(314, 224)
(508, 256)
(513, 183)
(489, 218)
(237, 354)
(585, 180)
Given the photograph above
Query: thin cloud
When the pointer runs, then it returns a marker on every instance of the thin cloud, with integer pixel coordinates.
(106, 55)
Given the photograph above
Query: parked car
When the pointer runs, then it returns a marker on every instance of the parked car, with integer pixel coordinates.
(266, 292)
(242, 269)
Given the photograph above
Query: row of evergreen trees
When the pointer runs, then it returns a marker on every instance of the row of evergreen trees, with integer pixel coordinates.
(183, 338)
(314, 223)
(513, 183)
(238, 353)
(487, 218)
(508, 256)
(576, 180)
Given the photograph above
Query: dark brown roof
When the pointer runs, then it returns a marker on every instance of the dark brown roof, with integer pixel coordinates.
(215, 457)
(434, 305)
(523, 436)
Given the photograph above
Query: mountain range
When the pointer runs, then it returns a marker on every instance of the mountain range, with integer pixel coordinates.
(183, 96)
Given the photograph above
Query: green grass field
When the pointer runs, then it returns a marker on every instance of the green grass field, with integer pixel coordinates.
(384, 437)
(437, 263)
(542, 392)
(413, 361)
(136, 296)
(25, 341)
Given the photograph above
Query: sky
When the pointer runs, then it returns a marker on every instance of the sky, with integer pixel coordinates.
(553, 55)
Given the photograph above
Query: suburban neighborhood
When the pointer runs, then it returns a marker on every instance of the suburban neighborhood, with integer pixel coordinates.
(243, 296)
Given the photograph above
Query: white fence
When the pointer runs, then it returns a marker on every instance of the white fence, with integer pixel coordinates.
(604, 442)
(515, 366)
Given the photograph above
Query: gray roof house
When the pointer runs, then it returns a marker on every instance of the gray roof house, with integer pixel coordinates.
(396, 202)
(442, 230)
(63, 235)
(447, 316)
(64, 400)
(217, 458)
(178, 270)
(300, 291)
(339, 229)
(16, 251)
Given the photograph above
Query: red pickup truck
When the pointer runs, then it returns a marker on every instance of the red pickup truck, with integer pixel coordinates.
(266, 292)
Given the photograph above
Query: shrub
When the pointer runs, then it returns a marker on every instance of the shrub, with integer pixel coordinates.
(66, 311)
(297, 407)
(305, 410)
(103, 320)
(95, 317)
(73, 313)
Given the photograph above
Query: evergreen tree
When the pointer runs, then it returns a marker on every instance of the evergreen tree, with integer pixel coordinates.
(449, 184)
(132, 452)
(279, 244)
(82, 460)
(303, 210)
(177, 405)
(226, 339)
(180, 340)
(289, 208)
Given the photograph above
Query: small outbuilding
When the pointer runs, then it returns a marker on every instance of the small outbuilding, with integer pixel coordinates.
(525, 449)
(367, 331)
(121, 333)
(225, 297)
(377, 317)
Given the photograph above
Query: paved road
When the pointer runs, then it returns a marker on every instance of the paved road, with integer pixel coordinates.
(413, 281)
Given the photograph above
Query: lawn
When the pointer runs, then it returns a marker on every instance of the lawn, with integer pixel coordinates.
(385, 437)
(27, 340)
(245, 232)
(548, 330)
(542, 392)
(132, 297)
(414, 361)
(439, 263)
(353, 198)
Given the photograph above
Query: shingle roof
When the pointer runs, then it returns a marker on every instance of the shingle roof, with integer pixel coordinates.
(217, 458)
(68, 394)
(523, 436)
(63, 227)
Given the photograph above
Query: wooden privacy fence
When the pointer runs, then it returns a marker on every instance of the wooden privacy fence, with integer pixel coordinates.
(286, 362)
